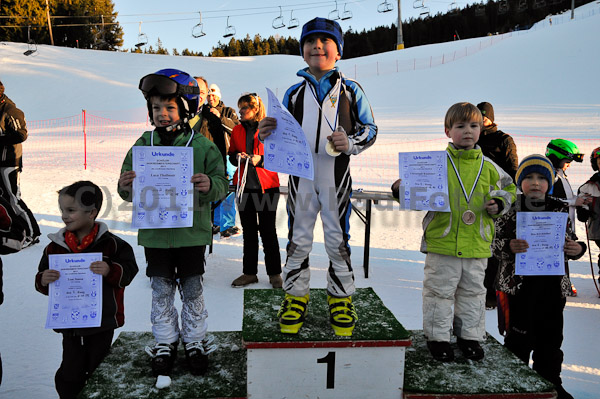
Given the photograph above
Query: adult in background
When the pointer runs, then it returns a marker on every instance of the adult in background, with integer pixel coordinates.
(259, 192)
(225, 212)
(209, 125)
(501, 149)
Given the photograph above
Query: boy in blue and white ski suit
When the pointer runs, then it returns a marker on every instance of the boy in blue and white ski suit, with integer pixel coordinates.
(322, 103)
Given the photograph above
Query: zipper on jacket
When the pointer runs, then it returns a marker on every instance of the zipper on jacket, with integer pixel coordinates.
(318, 131)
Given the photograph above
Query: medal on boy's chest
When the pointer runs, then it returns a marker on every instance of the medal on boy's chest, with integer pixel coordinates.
(468, 217)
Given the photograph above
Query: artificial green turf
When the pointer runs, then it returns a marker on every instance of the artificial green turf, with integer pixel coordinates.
(375, 321)
(126, 373)
(499, 372)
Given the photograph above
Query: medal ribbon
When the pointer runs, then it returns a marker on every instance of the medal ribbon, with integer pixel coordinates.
(468, 198)
(336, 90)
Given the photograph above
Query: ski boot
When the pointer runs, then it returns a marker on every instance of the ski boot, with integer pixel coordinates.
(292, 313)
(342, 315)
(163, 357)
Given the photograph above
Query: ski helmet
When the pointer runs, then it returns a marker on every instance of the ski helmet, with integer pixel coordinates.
(594, 157)
(176, 83)
(560, 149)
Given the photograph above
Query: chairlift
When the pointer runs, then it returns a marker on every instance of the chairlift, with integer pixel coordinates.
(278, 21)
(479, 10)
(538, 4)
(334, 14)
(502, 7)
(347, 14)
(424, 12)
(453, 8)
(522, 6)
(142, 38)
(418, 4)
(385, 7)
(198, 29)
(229, 29)
(294, 23)
(31, 45)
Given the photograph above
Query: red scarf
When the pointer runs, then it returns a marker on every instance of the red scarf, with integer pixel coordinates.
(74, 244)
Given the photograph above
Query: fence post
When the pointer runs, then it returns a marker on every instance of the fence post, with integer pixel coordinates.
(84, 140)
(377, 68)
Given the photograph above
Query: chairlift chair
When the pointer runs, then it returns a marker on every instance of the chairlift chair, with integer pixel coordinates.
(479, 10)
(334, 14)
(293, 23)
(522, 6)
(31, 45)
(229, 29)
(385, 7)
(538, 4)
(418, 4)
(424, 12)
(278, 21)
(198, 29)
(502, 7)
(453, 8)
(142, 38)
(347, 14)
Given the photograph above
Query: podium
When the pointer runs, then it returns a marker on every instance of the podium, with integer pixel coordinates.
(315, 363)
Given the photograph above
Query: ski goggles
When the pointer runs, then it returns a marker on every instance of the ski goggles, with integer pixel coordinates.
(164, 86)
(567, 154)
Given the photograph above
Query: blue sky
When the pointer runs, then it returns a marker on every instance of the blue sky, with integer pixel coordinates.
(173, 22)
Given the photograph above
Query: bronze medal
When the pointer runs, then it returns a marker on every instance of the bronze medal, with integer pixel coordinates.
(468, 217)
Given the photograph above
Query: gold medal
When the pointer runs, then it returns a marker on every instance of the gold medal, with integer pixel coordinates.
(468, 217)
(330, 149)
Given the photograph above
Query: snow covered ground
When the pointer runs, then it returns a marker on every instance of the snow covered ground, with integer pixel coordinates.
(542, 83)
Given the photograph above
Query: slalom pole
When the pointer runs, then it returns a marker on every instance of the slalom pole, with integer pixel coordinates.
(587, 236)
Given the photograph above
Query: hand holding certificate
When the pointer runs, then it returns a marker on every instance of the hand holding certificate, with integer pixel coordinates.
(75, 298)
(540, 249)
(286, 149)
(424, 181)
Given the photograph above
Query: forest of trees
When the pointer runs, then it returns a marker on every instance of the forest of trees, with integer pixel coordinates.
(93, 24)
(75, 23)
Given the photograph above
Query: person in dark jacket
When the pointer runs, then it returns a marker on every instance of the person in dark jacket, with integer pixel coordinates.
(501, 149)
(258, 191)
(207, 123)
(224, 213)
(85, 348)
(13, 131)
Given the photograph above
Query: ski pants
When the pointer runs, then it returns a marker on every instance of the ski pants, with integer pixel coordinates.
(329, 194)
(164, 316)
(453, 282)
(81, 356)
(536, 325)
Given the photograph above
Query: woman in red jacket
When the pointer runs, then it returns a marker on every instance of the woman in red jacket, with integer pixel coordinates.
(258, 194)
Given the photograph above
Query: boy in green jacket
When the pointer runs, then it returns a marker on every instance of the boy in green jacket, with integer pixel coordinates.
(175, 256)
(457, 243)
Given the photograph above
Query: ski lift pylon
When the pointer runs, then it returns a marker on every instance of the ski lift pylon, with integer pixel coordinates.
(347, 14)
(385, 7)
(229, 29)
(31, 45)
(198, 29)
(334, 14)
(142, 38)
(294, 23)
(278, 21)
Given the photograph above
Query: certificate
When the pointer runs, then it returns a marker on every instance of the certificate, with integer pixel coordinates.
(163, 194)
(75, 299)
(545, 234)
(424, 184)
(286, 149)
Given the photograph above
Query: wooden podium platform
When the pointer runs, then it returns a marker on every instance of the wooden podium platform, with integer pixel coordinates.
(315, 363)
(500, 375)
(380, 360)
